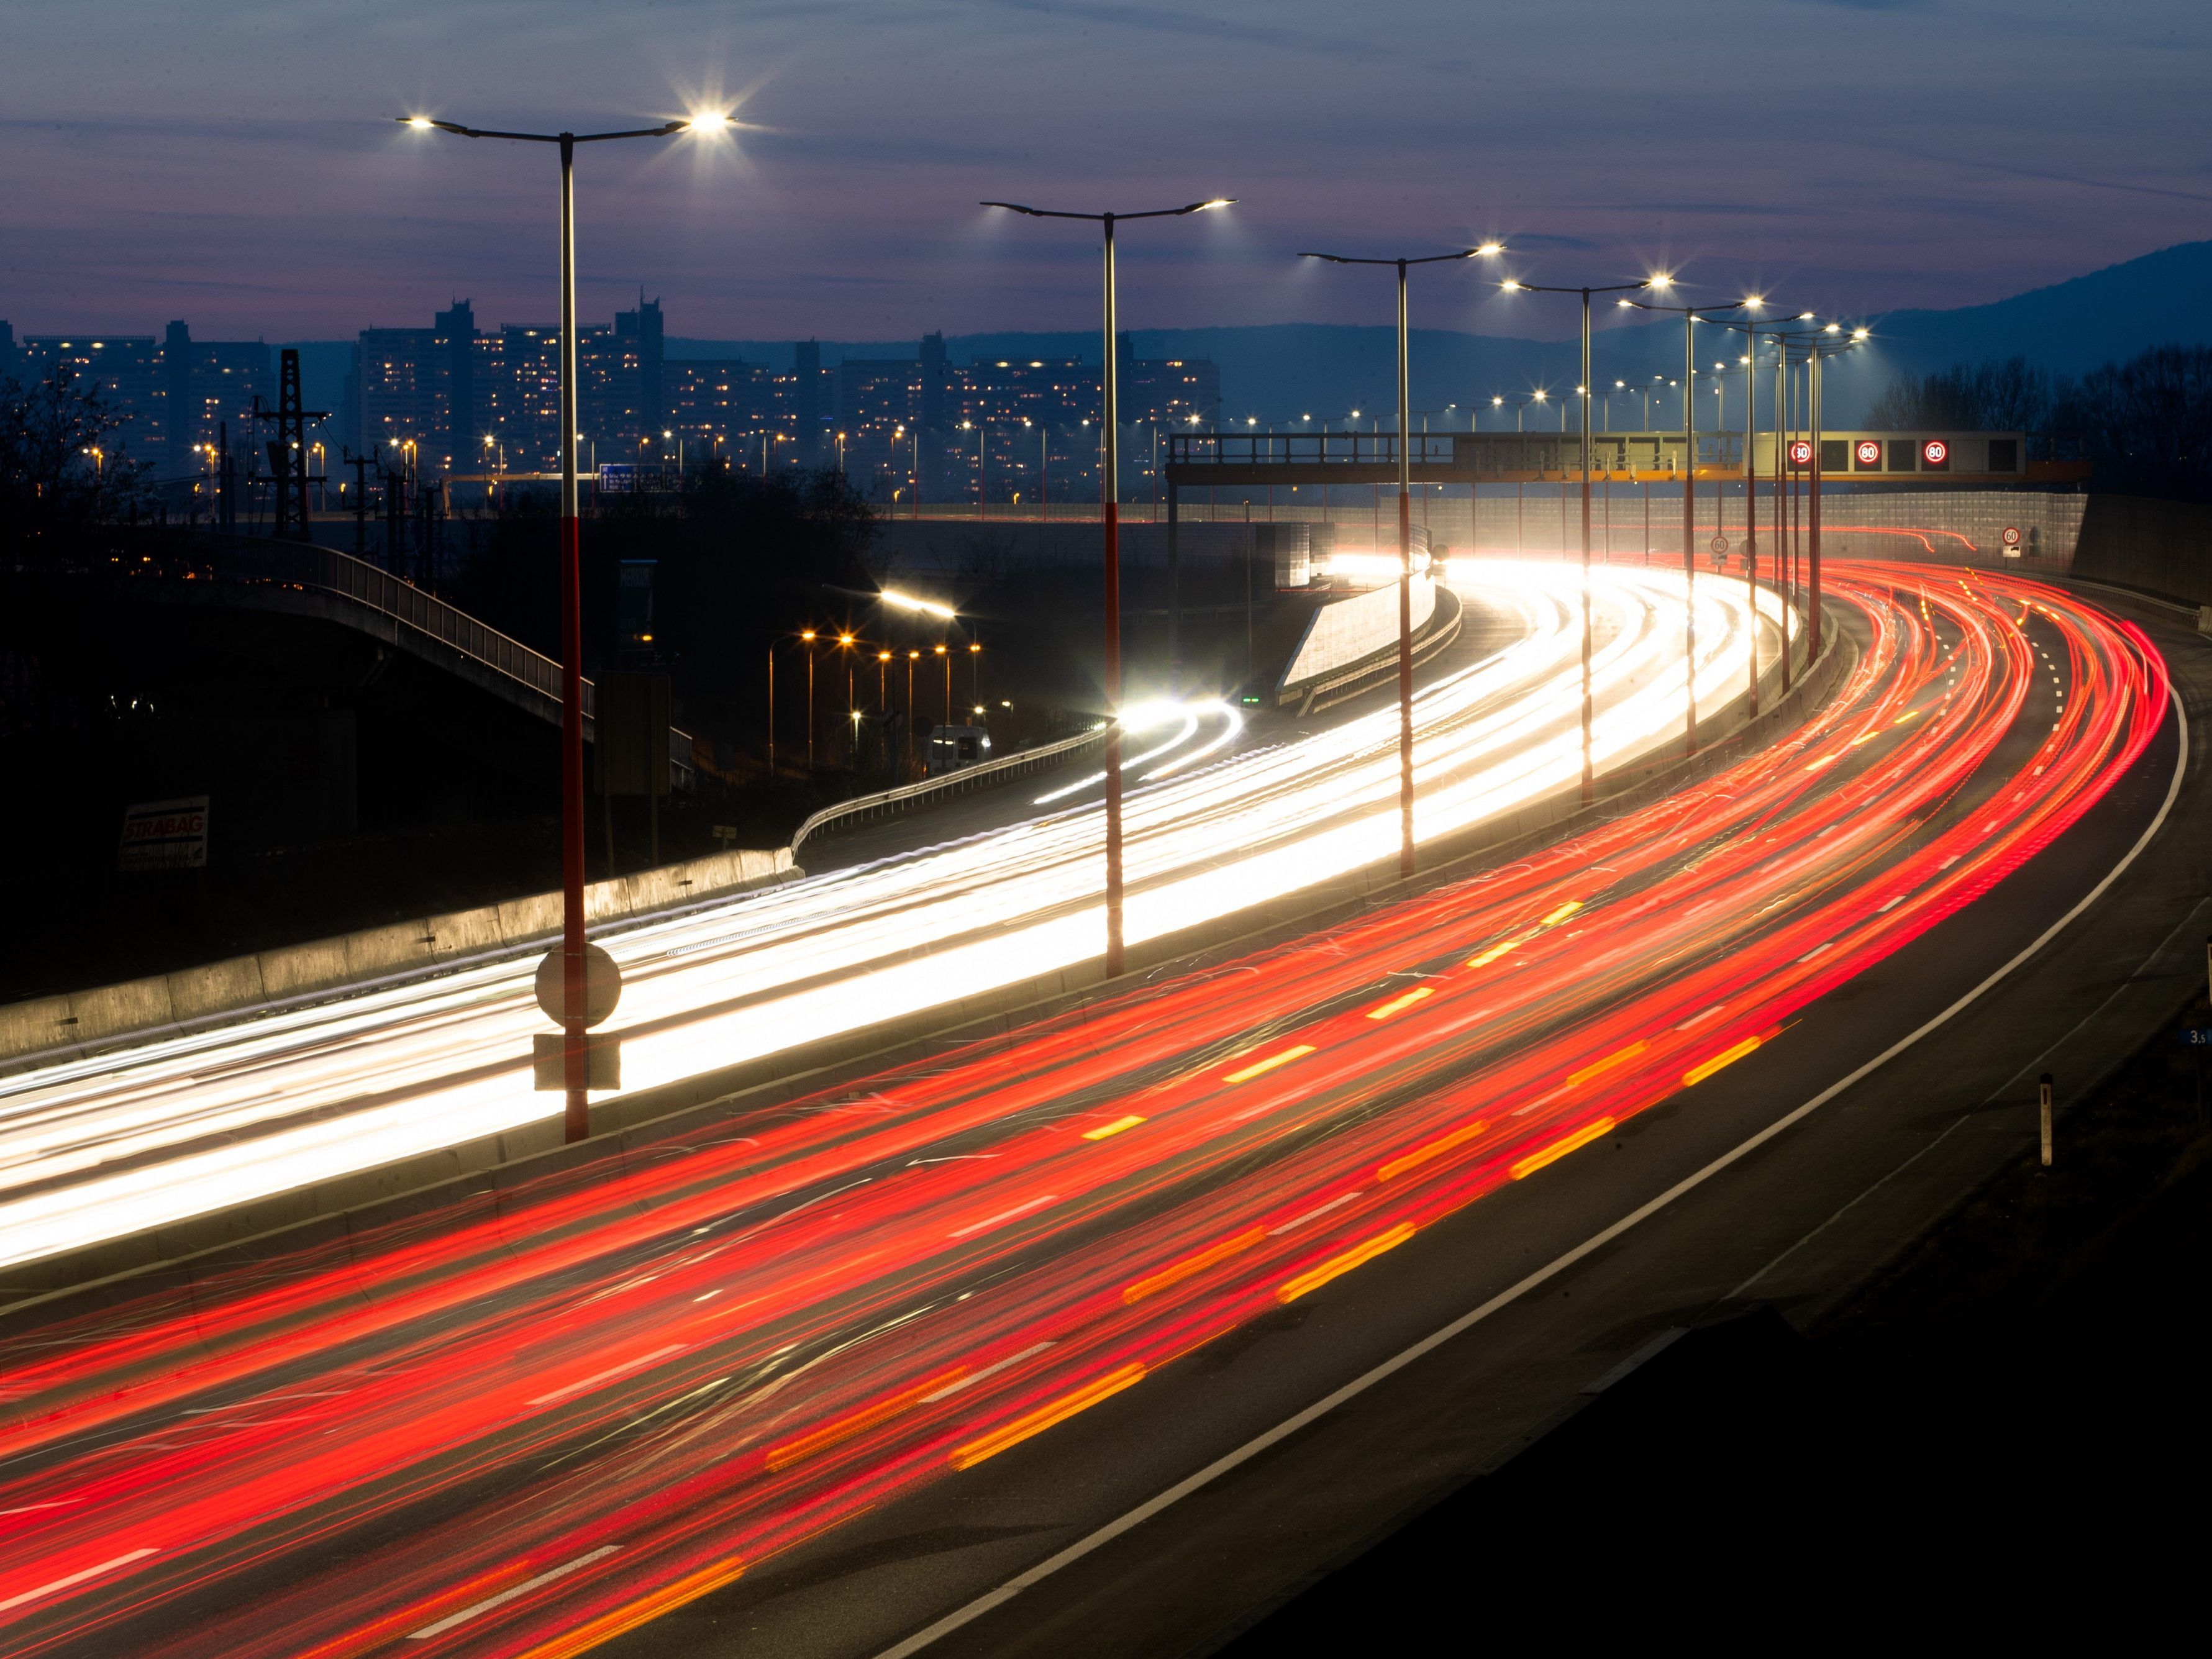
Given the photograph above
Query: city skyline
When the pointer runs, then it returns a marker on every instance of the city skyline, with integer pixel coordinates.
(282, 208)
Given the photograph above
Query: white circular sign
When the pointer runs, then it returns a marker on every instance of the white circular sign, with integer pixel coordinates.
(1935, 452)
(2012, 535)
(1720, 543)
(1800, 454)
(1869, 453)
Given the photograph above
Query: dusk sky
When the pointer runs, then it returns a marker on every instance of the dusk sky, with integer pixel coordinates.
(236, 164)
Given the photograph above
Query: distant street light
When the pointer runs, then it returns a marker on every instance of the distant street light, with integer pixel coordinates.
(1690, 315)
(1511, 286)
(1406, 536)
(1110, 493)
(576, 1120)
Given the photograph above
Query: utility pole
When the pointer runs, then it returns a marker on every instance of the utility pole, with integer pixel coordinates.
(288, 452)
(360, 464)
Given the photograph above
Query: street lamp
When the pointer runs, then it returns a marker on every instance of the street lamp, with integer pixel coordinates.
(1406, 536)
(1690, 315)
(1512, 286)
(1110, 377)
(576, 1119)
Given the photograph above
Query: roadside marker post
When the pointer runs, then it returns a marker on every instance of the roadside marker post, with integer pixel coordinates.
(2043, 1090)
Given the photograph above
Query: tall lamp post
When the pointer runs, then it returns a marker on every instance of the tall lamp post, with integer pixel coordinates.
(1690, 316)
(576, 1119)
(1110, 497)
(1511, 286)
(1406, 537)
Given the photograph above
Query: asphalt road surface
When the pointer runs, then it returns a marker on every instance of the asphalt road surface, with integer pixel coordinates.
(1167, 1305)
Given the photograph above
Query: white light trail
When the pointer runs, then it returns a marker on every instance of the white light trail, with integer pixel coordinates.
(99, 1148)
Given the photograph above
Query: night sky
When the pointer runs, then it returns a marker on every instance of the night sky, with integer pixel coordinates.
(236, 164)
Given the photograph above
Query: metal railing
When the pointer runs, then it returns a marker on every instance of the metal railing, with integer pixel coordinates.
(884, 801)
(305, 565)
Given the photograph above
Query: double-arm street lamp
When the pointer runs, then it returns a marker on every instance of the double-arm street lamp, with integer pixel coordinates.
(576, 1120)
(1110, 499)
(1406, 539)
(1690, 316)
(1512, 286)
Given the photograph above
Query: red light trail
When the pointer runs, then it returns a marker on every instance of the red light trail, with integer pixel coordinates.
(526, 1425)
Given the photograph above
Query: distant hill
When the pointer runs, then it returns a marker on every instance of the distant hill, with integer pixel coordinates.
(2161, 298)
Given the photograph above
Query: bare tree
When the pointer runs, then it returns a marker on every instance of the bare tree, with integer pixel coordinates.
(54, 467)
(2146, 424)
(2011, 396)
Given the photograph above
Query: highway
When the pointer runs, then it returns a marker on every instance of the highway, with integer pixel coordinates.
(127, 1141)
(616, 1403)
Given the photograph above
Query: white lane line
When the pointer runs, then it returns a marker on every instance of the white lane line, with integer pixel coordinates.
(1313, 1215)
(608, 1375)
(506, 1595)
(1145, 1511)
(973, 1378)
(74, 1578)
(1004, 1215)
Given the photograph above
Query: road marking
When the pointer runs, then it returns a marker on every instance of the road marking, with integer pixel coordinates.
(509, 1595)
(1295, 1222)
(1004, 1215)
(1699, 1019)
(1270, 1063)
(1559, 1148)
(1891, 904)
(1697, 1074)
(608, 1375)
(1113, 1129)
(1598, 1068)
(974, 1377)
(1398, 1004)
(70, 1580)
(1036, 1422)
(1491, 954)
(839, 1429)
(1130, 1520)
(1437, 1148)
(1176, 1273)
(1337, 1265)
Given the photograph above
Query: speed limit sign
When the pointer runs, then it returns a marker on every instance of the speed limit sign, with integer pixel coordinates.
(1720, 543)
(2012, 541)
(1935, 452)
(1869, 453)
(1800, 454)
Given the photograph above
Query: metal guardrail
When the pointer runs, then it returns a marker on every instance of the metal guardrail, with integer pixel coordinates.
(886, 801)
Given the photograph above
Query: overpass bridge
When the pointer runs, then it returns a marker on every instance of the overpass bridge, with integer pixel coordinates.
(304, 580)
(1923, 459)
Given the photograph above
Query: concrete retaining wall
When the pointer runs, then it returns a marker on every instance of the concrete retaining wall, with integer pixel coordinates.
(1346, 631)
(52, 1029)
(487, 1176)
(2162, 547)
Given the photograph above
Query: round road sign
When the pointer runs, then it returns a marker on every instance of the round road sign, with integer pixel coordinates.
(602, 985)
(2012, 535)
(1869, 453)
(1720, 543)
(1935, 452)
(1800, 454)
